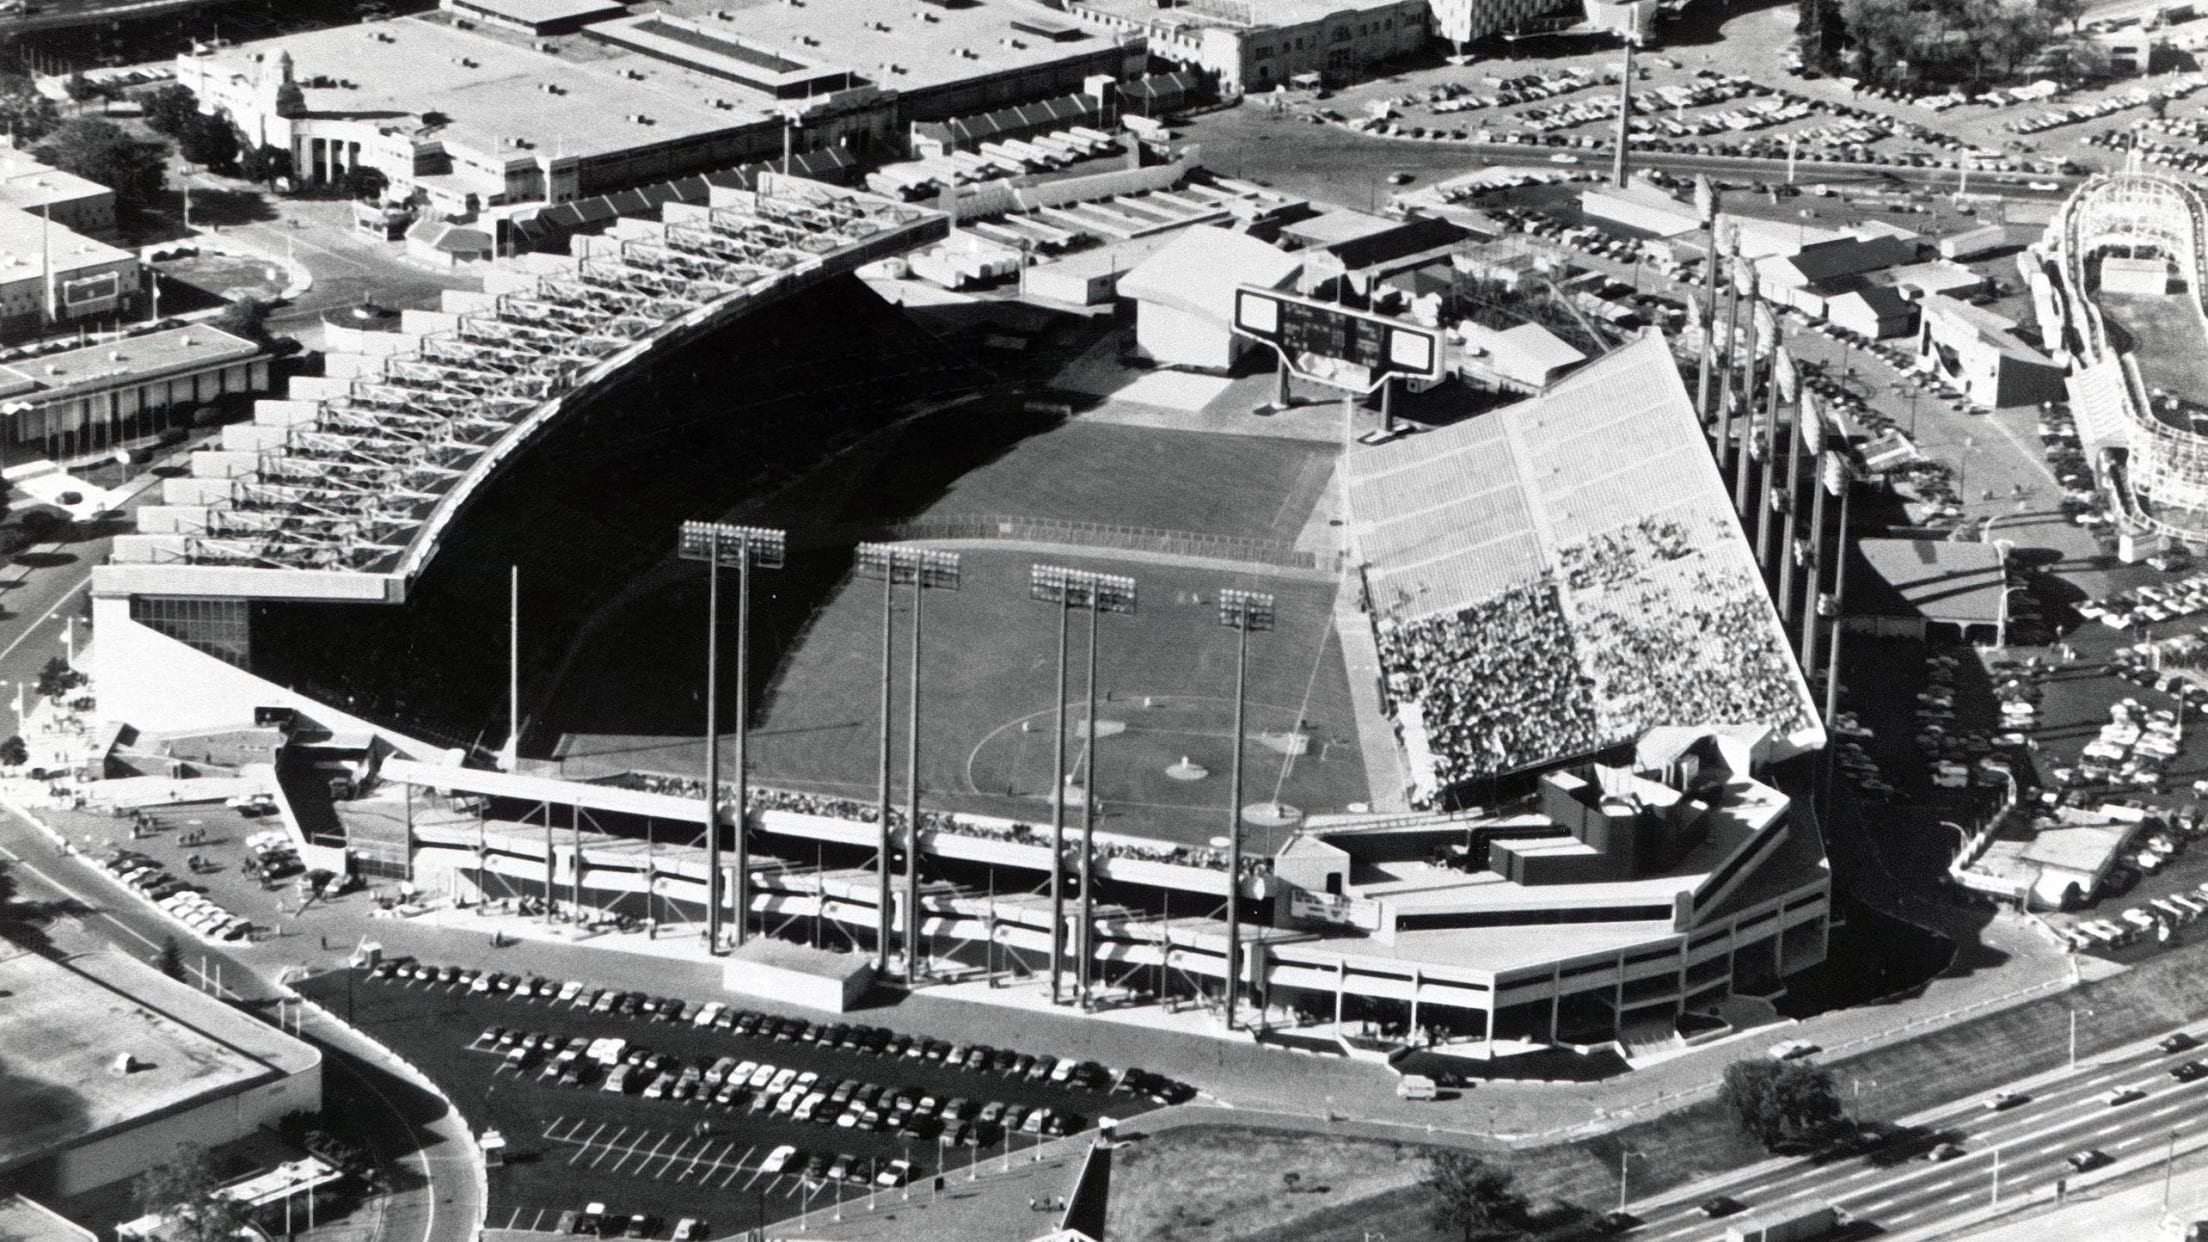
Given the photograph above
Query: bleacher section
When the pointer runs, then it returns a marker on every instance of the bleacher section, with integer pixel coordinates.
(1562, 574)
(358, 472)
(549, 227)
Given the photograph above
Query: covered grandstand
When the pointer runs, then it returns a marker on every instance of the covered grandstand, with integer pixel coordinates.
(1557, 576)
(344, 491)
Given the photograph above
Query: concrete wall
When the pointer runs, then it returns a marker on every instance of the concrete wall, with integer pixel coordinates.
(152, 681)
(1179, 339)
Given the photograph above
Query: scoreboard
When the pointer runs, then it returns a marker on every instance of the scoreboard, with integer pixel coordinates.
(1336, 344)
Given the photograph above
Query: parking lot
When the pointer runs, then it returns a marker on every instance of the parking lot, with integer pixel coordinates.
(647, 1106)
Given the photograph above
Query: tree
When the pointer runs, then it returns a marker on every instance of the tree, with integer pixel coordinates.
(365, 182)
(13, 752)
(2071, 11)
(184, 1189)
(172, 958)
(265, 164)
(57, 678)
(209, 142)
(1473, 1198)
(100, 151)
(1772, 1101)
(246, 317)
(28, 115)
(170, 109)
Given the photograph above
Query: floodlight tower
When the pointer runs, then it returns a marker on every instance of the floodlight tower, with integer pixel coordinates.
(745, 547)
(1241, 611)
(926, 569)
(1096, 594)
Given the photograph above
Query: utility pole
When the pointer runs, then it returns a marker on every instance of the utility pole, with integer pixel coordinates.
(1625, 115)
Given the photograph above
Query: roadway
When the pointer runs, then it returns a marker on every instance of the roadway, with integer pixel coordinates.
(2026, 1146)
(62, 14)
(40, 594)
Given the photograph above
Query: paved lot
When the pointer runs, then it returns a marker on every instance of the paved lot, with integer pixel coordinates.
(667, 1158)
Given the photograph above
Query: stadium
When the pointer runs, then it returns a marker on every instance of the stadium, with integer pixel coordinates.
(2117, 283)
(1510, 694)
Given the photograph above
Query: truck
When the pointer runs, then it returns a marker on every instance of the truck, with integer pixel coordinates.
(1796, 1224)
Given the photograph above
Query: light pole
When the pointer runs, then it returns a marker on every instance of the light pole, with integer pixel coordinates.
(1241, 611)
(924, 568)
(1624, 1154)
(745, 547)
(2169, 1166)
(1096, 594)
(2074, 1035)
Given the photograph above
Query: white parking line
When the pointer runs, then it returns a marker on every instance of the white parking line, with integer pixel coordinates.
(609, 1147)
(672, 1156)
(584, 1150)
(739, 1165)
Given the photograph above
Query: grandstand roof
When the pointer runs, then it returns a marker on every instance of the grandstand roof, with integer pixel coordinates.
(1601, 490)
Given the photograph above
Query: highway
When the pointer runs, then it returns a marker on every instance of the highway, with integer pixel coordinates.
(62, 14)
(1900, 1189)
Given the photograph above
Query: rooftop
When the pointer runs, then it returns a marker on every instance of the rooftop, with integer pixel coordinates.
(544, 11)
(26, 239)
(26, 183)
(1263, 15)
(483, 92)
(928, 44)
(1199, 270)
(26, 1220)
(137, 357)
(1962, 583)
(66, 1024)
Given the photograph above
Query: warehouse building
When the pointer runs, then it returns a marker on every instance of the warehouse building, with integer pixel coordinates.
(112, 1065)
(53, 276)
(465, 122)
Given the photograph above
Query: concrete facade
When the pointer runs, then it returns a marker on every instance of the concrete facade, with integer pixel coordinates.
(1255, 47)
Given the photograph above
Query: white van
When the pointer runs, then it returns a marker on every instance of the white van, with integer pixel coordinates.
(1416, 1087)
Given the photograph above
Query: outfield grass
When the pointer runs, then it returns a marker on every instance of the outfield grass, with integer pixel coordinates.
(1249, 486)
(988, 671)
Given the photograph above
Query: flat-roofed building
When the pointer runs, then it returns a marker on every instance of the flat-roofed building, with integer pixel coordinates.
(52, 275)
(79, 397)
(1184, 295)
(536, 17)
(73, 202)
(467, 121)
(1255, 45)
(937, 60)
(27, 1220)
(112, 1065)
(1979, 350)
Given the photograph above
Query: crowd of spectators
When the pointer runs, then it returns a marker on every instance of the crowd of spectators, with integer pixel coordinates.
(1675, 641)
(852, 810)
(1640, 628)
(1614, 559)
(1497, 684)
